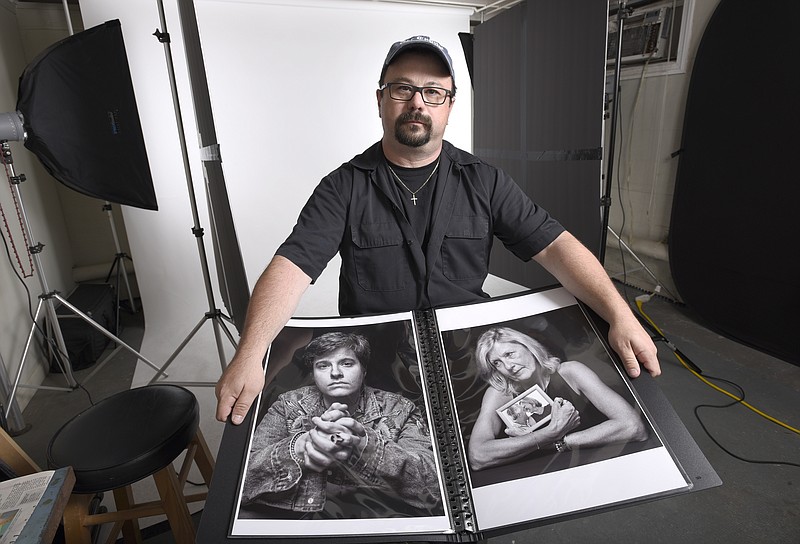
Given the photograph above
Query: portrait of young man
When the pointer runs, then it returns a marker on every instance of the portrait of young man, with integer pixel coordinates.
(337, 448)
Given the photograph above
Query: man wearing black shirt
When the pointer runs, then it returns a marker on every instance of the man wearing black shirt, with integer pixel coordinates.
(414, 218)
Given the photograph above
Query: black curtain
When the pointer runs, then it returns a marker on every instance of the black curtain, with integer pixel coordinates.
(734, 226)
(539, 81)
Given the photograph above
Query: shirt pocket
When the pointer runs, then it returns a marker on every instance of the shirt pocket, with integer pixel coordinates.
(465, 248)
(380, 258)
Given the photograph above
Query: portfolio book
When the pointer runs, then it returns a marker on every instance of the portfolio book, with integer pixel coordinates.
(456, 424)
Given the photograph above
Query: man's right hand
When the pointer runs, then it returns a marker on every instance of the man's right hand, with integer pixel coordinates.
(238, 387)
(274, 300)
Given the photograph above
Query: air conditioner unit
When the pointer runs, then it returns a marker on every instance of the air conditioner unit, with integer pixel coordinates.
(645, 36)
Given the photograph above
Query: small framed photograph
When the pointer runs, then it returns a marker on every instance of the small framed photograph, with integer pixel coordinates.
(528, 411)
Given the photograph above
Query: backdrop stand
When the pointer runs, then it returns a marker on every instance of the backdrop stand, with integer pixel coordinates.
(214, 315)
(46, 302)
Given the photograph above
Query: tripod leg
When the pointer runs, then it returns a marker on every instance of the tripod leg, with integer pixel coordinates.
(111, 270)
(218, 339)
(179, 349)
(28, 343)
(52, 318)
(116, 294)
(103, 331)
(127, 283)
(228, 333)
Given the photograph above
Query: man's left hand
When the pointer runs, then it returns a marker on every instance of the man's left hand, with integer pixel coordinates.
(635, 347)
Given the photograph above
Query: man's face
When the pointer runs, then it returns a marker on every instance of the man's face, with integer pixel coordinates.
(338, 374)
(415, 123)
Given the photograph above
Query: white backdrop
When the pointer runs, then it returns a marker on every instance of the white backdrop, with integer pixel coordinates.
(293, 92)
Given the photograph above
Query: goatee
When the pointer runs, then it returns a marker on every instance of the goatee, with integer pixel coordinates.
(409, 135)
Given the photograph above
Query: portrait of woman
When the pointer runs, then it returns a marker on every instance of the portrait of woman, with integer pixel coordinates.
(511, 362)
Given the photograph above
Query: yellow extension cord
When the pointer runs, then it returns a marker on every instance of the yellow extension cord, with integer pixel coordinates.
(639, 304)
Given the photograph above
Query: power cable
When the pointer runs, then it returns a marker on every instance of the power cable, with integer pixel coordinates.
(695, 370)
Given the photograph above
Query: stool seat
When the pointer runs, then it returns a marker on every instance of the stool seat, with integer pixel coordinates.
(126, 437)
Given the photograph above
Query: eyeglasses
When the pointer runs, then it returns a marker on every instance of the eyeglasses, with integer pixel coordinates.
(435, 96)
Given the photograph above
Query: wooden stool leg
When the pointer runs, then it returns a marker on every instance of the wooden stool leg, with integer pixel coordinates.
(123, 499)
(203, 457)
(174, 505)
(75, 532)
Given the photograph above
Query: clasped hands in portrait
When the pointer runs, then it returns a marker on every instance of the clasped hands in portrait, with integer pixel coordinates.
(336, 437)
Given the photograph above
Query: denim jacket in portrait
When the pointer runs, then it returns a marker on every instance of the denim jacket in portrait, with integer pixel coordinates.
(397, 459)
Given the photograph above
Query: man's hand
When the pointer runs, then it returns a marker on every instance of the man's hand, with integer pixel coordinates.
(577, 269)
(274, 299)
(238, 387)
(634, 346)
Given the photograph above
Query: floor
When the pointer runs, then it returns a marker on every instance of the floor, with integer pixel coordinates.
(759, 500)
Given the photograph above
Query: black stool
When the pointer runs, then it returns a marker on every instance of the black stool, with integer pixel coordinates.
(124, 439)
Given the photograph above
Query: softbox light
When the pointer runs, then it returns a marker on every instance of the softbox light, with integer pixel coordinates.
(80, 117)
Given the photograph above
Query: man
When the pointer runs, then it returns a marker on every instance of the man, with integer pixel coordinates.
(414, 219)
(339, 448)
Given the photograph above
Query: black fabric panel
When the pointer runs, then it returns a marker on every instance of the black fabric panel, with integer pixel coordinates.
(734, 227)
(81, 119)
(539, 83)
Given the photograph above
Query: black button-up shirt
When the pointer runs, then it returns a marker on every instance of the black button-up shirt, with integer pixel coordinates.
(355, 211)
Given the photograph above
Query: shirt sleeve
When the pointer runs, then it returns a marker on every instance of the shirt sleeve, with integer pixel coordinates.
(318, 233)
(520, 224)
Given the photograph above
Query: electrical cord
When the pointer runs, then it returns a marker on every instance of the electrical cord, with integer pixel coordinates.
(723, 448)
(737, 399)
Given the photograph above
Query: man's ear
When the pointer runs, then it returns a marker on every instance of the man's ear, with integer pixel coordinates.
(379, 95)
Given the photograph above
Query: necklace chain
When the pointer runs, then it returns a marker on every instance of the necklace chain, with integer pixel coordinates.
(414, 193)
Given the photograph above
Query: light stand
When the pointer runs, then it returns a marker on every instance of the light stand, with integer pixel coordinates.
(118, 264)
(214, 314)
(119, 256)
(622, 13)
(46, 301)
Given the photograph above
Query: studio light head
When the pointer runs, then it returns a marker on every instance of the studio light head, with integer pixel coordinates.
(11, 128)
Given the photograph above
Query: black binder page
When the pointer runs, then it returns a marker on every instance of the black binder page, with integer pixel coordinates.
(392, 486)
(518, 470)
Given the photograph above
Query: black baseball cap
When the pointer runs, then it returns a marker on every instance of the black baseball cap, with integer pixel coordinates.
(420, 42)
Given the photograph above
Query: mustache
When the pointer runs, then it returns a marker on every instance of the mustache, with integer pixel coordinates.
(415, 116)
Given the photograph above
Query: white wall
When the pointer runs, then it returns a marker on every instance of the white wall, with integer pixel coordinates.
(276, 144)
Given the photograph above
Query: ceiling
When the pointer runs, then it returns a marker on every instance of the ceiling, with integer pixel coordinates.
(482, 9)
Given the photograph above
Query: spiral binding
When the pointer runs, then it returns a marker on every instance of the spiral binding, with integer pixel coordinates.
(444, 423)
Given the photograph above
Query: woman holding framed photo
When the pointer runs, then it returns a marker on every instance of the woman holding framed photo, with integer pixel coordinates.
(512, 363)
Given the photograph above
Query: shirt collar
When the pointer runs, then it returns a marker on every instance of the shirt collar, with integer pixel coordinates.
(370, 159)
